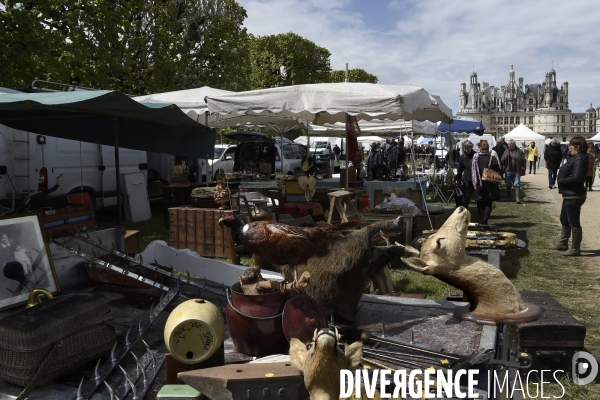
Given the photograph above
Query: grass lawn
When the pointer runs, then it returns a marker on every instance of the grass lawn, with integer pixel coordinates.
(534, 268)
(153, 229)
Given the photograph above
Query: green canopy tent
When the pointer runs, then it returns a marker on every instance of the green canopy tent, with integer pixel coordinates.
(110, 118)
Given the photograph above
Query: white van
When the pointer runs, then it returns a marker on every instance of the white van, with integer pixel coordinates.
(224, 163)
(257, 151)
(85, 167)
(217, 161)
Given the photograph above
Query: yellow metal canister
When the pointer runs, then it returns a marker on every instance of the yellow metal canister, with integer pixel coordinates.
(194, 331)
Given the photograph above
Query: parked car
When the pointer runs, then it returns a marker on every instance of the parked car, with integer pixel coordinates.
(257, 151)
(320, 151)
(220, 149)
(223, 163)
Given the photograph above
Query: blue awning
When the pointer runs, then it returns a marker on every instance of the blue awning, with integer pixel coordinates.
(462, 126)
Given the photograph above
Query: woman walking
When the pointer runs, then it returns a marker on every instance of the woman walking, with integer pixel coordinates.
(485, 192)
(532, 156)
(571, 184)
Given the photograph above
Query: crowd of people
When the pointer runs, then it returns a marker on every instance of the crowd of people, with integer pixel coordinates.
(573, 173)
(384, 159)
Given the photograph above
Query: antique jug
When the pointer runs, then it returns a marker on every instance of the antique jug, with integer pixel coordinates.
(261, 212)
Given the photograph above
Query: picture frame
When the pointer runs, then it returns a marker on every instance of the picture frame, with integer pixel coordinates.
(22, 240)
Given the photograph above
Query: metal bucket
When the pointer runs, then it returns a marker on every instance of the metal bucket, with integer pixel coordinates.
(194, 331)
(254, 322)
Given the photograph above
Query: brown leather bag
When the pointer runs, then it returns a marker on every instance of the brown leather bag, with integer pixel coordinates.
(491, 175)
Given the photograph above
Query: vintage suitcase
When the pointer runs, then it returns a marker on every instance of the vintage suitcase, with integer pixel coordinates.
(53, 338)
(552, 339)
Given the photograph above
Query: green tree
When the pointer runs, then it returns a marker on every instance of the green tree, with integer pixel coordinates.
(354, 75)
(286, 59)
(136, 46)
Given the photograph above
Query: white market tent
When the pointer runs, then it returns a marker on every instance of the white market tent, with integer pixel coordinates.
(187, 100)
(192, 102)
(521, 133)
(595, 138)
(322, 103)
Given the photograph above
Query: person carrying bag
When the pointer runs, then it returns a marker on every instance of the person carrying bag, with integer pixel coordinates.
(490, 175)
(486, 191)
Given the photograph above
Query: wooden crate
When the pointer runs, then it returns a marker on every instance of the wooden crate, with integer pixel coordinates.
(552, 340)
(176, 196)
(197, 229)
(57, 222)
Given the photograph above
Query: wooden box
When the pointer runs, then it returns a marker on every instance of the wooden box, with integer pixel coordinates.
(552, 339)
(175, 196)
(132, 241)
(197, 229)
(57, 222)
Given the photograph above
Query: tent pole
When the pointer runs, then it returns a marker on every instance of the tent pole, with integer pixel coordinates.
(434, 160)
(118, 175)
(307, 143)
(347, 158)
(209, 169)
(412, 146)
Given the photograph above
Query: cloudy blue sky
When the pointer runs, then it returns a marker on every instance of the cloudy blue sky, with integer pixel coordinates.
(437, 43)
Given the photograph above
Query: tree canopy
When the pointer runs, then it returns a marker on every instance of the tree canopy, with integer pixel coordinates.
(354, 75)
(141, 47)
(286, 59)
(135, 46)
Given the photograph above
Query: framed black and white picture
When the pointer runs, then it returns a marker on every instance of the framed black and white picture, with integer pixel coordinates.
(22, 242)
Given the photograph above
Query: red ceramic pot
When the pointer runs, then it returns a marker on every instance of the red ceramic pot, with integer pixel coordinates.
(254, 322)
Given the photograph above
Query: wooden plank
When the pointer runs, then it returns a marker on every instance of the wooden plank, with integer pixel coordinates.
(181, 216)
(173, 228)
(209, 235)
(181, 227)
(182, 243)
(332, 208)
(200, 242)
(218, 235)
(190, 215)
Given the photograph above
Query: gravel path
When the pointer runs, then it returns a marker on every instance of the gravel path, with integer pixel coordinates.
(552, 201)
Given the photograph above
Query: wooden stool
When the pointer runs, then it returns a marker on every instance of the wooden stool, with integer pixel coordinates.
(342, 202)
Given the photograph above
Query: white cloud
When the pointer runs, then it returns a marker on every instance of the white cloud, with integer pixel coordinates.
(437, 43)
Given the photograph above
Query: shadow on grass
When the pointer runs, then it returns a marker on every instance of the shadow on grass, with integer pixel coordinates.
(536, 201)
(590, 253)
(514, 227)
